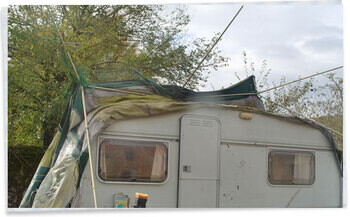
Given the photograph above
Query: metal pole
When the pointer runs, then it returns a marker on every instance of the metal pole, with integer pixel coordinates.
(88, 142)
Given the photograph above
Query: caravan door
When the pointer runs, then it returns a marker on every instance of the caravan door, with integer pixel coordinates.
(198, 184)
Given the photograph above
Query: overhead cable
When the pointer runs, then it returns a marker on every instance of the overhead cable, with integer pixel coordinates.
(206, 55)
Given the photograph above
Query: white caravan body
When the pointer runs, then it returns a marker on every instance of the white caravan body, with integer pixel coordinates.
(218, 157)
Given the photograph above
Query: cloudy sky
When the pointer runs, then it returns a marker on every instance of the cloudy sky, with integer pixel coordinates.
(295, 39)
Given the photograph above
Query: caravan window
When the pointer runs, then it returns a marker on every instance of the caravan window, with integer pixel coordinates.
(133, 161)
(291, 168)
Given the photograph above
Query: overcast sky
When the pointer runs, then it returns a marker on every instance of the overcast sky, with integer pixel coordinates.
(295, 39)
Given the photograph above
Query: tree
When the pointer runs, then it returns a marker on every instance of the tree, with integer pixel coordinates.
(322, 103)
(104, 42)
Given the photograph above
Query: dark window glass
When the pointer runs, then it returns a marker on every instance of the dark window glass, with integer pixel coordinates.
(133, 161)
(291, 168)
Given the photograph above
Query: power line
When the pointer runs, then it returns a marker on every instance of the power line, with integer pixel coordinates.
(310, 76)
(272, 88)
(189, 78)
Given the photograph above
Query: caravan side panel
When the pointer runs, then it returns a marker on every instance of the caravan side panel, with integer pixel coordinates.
(244, 149)
(244, 180)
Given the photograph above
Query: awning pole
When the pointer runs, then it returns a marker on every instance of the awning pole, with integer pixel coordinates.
(83, 102)
(89, 148)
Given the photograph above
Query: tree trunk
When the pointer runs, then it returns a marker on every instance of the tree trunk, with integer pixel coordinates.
(48, 134)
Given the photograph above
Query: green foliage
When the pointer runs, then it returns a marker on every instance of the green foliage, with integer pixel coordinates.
(105, 41)
(323, 103)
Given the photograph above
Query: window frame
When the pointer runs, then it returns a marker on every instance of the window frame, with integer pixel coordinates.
(312, 153)
(100, 139)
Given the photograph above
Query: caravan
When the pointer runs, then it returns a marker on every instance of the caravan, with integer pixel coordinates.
(185, 149)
